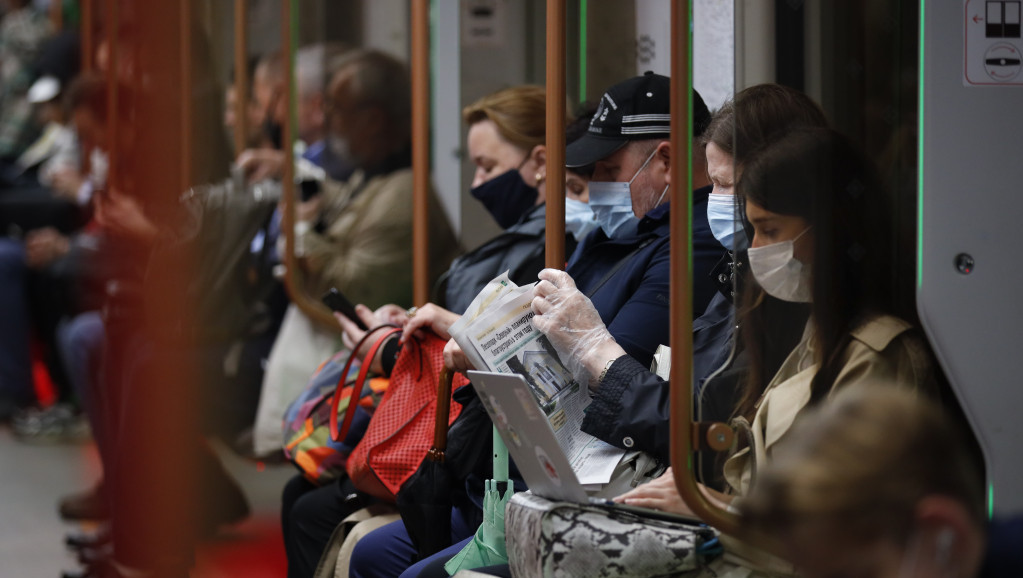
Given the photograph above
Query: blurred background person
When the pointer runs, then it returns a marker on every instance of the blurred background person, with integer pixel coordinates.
(880, 482)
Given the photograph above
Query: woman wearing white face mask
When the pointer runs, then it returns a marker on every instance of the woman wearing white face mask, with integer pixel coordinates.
(822, 234)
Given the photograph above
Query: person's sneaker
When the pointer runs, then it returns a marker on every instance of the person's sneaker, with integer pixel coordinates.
(59, 423)
(88, 505)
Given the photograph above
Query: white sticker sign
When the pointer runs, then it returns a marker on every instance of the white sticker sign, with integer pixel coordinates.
(993, 52)
(483, 22)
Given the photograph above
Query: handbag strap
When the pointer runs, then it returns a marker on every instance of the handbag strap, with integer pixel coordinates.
(440, 427)
(338, 434)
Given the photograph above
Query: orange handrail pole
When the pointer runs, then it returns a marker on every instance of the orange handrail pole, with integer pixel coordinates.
(57, 15)
(420, 69)
(292, 282)
(88, 41)
(682, 430)
(186, 93)
(555, 180)
(241, 75)
(113, 48)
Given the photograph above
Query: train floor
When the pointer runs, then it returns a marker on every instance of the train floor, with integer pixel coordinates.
(34, 477)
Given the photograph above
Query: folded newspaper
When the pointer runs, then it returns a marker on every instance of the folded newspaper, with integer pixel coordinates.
(497, 334)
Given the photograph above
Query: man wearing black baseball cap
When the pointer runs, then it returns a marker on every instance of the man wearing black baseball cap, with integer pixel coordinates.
(624, 267)
(628, 145)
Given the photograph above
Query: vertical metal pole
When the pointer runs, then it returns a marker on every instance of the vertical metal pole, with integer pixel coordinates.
(241, 75)
(186, 93)
(88, 42)
(113, 48)
(682, 428)
(288, 179)
(57, 15)
(292, 281)
(555, 183)
(420, 151)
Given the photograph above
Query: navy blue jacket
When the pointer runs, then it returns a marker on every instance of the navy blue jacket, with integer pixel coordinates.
(631, 408)
(634, 302)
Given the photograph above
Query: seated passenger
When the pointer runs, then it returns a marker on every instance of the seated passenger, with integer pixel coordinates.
(879, 482)
(506, 143)
(357, 235)
(819, 238)
(631, 402)
(624, 266)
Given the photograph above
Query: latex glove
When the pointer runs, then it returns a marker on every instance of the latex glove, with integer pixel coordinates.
(571, 323)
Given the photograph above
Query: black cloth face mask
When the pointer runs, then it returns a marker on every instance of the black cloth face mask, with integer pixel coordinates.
(507, 197)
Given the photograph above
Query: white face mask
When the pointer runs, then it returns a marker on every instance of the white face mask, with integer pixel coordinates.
(724, 225)
(779, 273)
(579, 219)
(611, 201)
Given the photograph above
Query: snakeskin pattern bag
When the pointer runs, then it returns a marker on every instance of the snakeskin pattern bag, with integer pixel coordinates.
(560, 539)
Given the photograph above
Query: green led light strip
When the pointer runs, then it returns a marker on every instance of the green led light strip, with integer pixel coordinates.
(582, 49)
(920, 157)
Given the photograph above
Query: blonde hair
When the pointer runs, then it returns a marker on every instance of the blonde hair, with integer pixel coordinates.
(860, 464)
(519, 113)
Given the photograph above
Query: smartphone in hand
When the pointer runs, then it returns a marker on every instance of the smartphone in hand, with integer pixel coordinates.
(339, 303)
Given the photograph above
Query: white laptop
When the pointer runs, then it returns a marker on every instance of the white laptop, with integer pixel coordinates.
(532, 443)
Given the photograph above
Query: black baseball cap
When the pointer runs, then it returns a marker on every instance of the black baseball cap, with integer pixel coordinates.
(636, 109)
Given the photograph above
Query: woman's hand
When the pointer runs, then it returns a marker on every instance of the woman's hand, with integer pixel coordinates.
(661, 494)
(352, 335)
(455, 359)
(572, 324)
(432, 317)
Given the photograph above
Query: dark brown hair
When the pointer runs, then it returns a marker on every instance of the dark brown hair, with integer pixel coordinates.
(817, 174)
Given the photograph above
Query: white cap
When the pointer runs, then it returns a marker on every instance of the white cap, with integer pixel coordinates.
(44, 89)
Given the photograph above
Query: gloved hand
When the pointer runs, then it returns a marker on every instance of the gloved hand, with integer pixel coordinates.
(571, 323)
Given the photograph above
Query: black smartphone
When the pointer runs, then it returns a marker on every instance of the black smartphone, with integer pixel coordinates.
(308, 189)
(338, 302)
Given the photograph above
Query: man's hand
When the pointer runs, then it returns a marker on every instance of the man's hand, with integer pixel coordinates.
(309, 211)
(67, 181)
(123, 214)
(44, 246)
(261, 164)
(571, 323)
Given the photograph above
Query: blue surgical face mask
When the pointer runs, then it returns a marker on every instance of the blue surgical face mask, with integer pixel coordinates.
(726, 228)
(579, 219)
(611, 202)
(507, 197)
